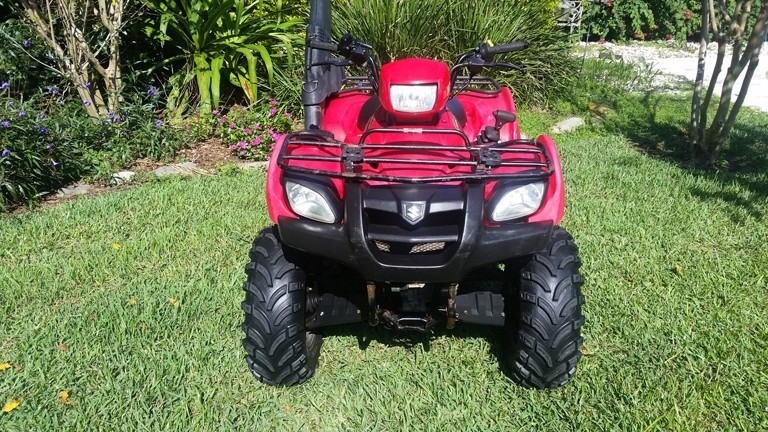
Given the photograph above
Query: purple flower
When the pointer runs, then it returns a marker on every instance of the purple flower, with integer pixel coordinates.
(5, 86)
(27, 43)
(49, 147)
(248, 131)
(215, 112)
(272, 112)
(231, 125)
(5, 124)
(257, 127)
(273, 102)
(288, 115)
(232, 148)
(22, 114)
(116, 119)
(87, 103)
(61, 102)
(256, 141)
(153, 92)
(43, 130)
(242, 152)
(9, 104)
(242, 145)
(158, 123)
(223, 119)
(5, 153)
(54, 163)
(110, 114)
(87, 85)
(255, 151)
(41, 116)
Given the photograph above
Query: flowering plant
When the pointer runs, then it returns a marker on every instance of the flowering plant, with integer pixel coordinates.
(251, 133)
(48, 139)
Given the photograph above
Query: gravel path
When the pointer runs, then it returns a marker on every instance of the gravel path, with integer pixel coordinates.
(681, 64)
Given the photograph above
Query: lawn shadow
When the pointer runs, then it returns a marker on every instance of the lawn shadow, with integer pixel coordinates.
(655, 124)
(366, 334)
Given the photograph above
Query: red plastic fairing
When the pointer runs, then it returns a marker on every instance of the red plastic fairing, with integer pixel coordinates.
(554, 202)
(479, 108)
(276, 203)
(415, 71)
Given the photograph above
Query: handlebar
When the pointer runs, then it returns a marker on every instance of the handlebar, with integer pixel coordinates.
(507, 48)
(357, 53)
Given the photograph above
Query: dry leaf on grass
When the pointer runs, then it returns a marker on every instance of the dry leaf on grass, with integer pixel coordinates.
(132, 302)
(62, 347)
(64, 398)
(10, 406)
(173, 302)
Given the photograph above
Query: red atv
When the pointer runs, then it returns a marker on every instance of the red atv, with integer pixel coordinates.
(411, 201)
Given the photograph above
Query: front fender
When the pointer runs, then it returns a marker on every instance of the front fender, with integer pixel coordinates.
(554, 203)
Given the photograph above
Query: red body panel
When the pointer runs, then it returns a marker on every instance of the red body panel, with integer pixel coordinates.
(342, 119)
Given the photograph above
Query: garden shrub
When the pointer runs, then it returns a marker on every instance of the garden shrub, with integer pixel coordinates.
(249, 133)
(47, 139)
(444, 30)
(641, 20)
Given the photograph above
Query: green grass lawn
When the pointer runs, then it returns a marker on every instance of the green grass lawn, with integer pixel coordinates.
(676, 335)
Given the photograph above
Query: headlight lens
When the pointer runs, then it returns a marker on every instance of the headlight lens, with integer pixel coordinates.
(308, 203)
(519, 202)
(413, 98)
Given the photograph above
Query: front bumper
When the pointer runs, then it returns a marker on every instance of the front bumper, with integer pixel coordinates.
(477, 244)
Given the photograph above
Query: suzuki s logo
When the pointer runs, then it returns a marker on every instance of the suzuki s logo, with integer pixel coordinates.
(413, 211)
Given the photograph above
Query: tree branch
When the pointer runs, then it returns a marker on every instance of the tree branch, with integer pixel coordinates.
(29, 54)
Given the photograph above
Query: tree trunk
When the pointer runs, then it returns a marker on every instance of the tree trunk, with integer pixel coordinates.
(695, 126)
(75, 58)
(710, 139)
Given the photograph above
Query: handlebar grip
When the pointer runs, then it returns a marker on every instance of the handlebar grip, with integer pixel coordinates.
(324, 46)
(506, 48)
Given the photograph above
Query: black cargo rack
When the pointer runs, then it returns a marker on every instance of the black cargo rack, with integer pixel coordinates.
(486, 160)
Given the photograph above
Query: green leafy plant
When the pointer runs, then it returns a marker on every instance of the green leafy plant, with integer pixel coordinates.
(220, 40)
(444, 30)
(641, 20)
(48, 139)
(251, 133)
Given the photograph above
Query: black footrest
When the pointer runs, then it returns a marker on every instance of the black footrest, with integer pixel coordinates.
(481, 307)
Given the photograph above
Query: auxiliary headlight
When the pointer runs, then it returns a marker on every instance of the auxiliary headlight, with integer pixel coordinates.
(519, 202)
(413, 98)
(308, 203)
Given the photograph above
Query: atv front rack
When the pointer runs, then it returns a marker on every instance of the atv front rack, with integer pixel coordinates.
(318, 153)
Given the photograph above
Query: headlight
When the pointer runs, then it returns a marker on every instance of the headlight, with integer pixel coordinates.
(413, 98)
(308, 203)
(519, 202)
